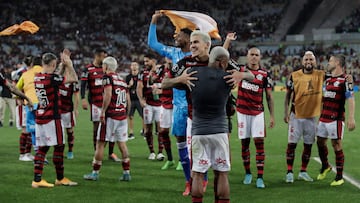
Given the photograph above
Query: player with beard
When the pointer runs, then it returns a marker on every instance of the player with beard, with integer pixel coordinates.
(174, 53)
(150, 103)
(179, 114)
(304, 89)
(331, 123)
(250, 114)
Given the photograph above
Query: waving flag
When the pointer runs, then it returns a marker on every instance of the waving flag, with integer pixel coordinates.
(26, 26)
(193, 20)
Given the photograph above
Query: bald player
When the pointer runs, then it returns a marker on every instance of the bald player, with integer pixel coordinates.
(304, 89)
(250, 114)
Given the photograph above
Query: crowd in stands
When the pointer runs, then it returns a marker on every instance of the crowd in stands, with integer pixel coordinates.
(350, 23)
(121, 28)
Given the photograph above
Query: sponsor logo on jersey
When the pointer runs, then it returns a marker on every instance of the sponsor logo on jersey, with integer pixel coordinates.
(98, 82)
(178, 70)
(63, 92)
(39, 85)
(259, 77)
(330, 94)
(249, 86)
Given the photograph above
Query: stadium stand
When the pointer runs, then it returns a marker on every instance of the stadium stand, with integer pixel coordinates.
(121, 28)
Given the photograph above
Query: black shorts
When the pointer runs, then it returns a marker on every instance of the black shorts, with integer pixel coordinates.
(135, 104)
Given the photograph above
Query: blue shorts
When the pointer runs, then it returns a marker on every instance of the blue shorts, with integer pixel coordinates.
(179, 120)
(30, 122)
(30, 118)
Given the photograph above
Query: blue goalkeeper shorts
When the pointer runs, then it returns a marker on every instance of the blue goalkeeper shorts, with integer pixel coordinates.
(180, 115)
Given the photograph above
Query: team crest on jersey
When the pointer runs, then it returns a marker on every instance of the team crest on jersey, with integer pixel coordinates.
(259, 77)
(336, 84)
(98, 81)
(175, 68)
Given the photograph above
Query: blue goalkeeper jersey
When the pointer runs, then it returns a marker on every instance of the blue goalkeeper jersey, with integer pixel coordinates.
(173, 53)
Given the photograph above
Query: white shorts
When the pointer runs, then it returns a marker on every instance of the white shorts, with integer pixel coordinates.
(165, 117)
(333, 130)
(210, 151)
(188, 134)
(95, 113)
(301, 127)
(151, 114)
(251, 125)
(49, 134)
(20, 117)
(113, 131)
(68, 119)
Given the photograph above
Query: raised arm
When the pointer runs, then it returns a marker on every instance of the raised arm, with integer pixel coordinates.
(69, 72)
(76, 97)
(231, 36)
(152, 37)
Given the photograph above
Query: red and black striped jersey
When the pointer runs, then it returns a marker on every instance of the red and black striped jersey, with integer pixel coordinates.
(334, 96)
(149, 78)
(47, 92)
(166, 97)
(180, 67)
(117, 107)
(250, 93)
(66, 95)
(94, 75)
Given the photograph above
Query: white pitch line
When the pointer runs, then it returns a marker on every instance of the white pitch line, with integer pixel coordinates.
(346, 177)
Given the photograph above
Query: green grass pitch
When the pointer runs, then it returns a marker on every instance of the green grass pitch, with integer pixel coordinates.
(152, 185)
